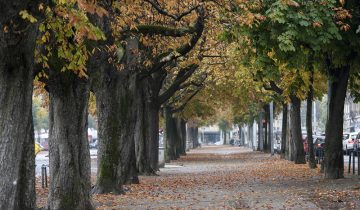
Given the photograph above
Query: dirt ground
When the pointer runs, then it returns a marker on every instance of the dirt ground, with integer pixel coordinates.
(225, 177)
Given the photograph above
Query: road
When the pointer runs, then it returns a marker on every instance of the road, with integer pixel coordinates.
(42, 158)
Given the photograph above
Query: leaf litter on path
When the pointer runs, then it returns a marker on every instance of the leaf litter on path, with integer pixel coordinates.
(225, 177)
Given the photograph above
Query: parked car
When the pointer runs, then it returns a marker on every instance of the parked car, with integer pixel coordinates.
(315, 141)
(319, 146)
(319, 142)
(348, 141)
(357, 142)
(94, 144)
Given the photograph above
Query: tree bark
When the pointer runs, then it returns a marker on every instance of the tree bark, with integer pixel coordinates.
(178, 137)
(170, 150)
(17, 160)
(69, 154)
(334, 160)
(147, 131)
(309, 101)
(260, 133)
(183, 136)
(194, 136)
(250, 135)
(116, 125)
(152, 138)
(116, 98)
(241, 135)
(296, 136)
(141, 130)
(289, 147)
(190, 132)
(284, 129)
(17, 155)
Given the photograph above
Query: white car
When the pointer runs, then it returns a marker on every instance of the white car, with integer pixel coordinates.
(348, 141)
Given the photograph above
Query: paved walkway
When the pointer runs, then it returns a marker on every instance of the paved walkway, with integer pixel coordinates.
(226, 177)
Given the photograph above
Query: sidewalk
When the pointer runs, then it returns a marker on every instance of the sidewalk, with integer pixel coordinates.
(225, 177)
(235, 178)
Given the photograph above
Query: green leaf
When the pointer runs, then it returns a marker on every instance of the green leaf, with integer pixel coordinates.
(26, 16)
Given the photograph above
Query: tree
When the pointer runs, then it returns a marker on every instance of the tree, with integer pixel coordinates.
(63, 54)
(177, 129)
(126, 76)
(224, 127)
(17, 44)
(330, 28)
(309, 101)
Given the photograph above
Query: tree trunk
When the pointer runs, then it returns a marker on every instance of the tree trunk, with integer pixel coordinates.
(334, 160)
(152, 139)
(140, 134)
(190, 131)
(309, 101)
(289, 147)
(170, 150)
(147, 141)
(241, 136)
(296, 136)
(147, 132)
(250, 135)
(116, 92)
(183, 137)
(69, 154)
(178, 138)
(194, 136)
(116, 123)
(284, 129)
(17, 161)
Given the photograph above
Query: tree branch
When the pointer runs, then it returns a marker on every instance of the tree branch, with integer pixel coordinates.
(181, 77)
(164, 30)
(167, 57)
(162, 11)
(195, 83)
(214, 56)
(276, 88)
(182, 107)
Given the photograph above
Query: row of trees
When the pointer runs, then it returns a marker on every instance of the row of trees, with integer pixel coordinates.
(288, 50)
(137, 58)
(146, 57)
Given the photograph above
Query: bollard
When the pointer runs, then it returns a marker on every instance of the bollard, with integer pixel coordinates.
(46, 184)
(358, 166)
(353, 162)
(349, 163)
(43, 176)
